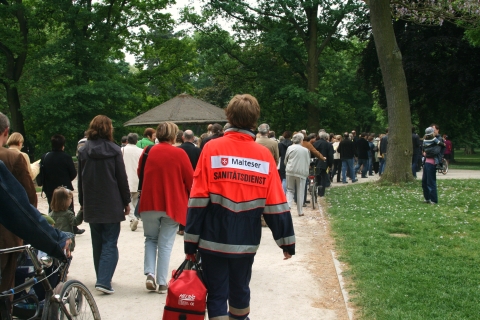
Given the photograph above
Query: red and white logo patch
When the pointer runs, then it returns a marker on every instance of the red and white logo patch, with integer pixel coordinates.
(224, 161)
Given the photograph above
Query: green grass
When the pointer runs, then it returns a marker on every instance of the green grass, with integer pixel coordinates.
(466, 161)
(432, 272)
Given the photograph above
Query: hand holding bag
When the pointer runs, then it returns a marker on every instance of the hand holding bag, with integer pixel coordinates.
(187, 295)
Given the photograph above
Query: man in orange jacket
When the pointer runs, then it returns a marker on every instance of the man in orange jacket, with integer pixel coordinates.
(235, 183)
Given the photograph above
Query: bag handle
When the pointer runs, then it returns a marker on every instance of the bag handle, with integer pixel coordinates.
(183, 266)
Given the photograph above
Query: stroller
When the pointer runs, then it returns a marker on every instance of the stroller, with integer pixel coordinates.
(25, 303)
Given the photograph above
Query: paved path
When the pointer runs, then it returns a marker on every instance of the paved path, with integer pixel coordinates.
(304, 287)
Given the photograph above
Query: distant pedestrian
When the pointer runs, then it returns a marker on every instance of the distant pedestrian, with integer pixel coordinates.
(131, 154)
(297, 162)
(432, 151)
(448, 149)
(148, 138)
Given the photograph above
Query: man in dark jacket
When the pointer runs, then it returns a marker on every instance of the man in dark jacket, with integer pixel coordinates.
(326, 149)
(192, 151)
(417, 150)
(383, 152)
(282, 151)
(363, 149)
(193, 154)
(346, 148)
(57, 168)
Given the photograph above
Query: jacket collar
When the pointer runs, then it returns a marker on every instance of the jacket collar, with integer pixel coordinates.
(243, 131)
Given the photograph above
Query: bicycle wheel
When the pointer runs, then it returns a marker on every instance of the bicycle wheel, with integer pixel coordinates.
(445, 166)
(78, 301)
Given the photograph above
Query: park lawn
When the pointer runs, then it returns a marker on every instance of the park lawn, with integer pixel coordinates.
(407, 259)
(466, 161)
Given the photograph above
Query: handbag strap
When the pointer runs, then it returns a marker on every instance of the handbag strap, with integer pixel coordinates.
(183, 266)
(142, 168)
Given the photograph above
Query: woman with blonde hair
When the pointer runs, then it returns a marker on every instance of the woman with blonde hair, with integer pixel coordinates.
(104, 196)
(15, 142)
(167, 180)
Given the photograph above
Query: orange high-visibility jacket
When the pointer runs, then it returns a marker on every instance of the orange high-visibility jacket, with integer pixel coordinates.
(235, 182)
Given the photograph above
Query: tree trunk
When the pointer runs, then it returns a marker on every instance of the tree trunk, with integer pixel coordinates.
(312, 67)
(16, 120)
(399, 150)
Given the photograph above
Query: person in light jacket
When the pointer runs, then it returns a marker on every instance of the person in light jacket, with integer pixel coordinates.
(104, 196)
(131, 155)
(297, 161)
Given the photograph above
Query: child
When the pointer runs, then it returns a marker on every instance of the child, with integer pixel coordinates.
(65, 219)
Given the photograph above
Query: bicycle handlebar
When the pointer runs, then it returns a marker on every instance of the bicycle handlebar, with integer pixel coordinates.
(23, 286)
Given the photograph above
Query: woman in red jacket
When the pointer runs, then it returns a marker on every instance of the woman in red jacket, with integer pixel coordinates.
(167, 181)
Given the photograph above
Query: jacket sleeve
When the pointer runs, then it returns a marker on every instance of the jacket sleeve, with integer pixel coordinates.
(71, 168)
(79, 181)
(122, 181)
(78, 219)
(276, 153)
(20, 171)
(197, 205)
(330, 155)
(277, 214)
(314, 151)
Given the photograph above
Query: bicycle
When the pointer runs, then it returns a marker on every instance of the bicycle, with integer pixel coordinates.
(313, 182)
(69, 300)
(443, 167)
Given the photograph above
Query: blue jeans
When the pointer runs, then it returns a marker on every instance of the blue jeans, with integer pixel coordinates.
(347, 164)
(370, 166)
(105, 251)
(159, 231)
(24, 220)
(284, 185)
(429, 182)
(382, 164)
(365, 166)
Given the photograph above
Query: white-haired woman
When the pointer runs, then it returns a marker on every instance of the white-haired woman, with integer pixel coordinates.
(297, 161)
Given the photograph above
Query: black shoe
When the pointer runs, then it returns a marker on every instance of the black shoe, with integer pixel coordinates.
(304, 205)
(308, 201)
(80, 231)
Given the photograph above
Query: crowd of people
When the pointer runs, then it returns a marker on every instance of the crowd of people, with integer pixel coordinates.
(223, 192)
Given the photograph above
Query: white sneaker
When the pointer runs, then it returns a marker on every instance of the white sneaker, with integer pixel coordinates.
(150, 283)
(133, 225)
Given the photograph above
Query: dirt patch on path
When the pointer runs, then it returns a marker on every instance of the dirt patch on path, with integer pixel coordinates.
(320, 263)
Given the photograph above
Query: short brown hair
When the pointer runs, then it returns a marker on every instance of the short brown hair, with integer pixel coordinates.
(60, 198)
(148, 132)
(243, 111)
(100, 128)
(15, 139)
(167, 131)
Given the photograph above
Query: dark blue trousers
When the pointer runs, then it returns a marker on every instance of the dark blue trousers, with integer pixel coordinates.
(227, 279)
(105, 251)
(429, 182)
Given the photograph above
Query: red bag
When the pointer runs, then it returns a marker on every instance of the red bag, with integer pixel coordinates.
(186, 296)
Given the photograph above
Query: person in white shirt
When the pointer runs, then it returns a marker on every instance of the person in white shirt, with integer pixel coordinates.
(131, 155)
